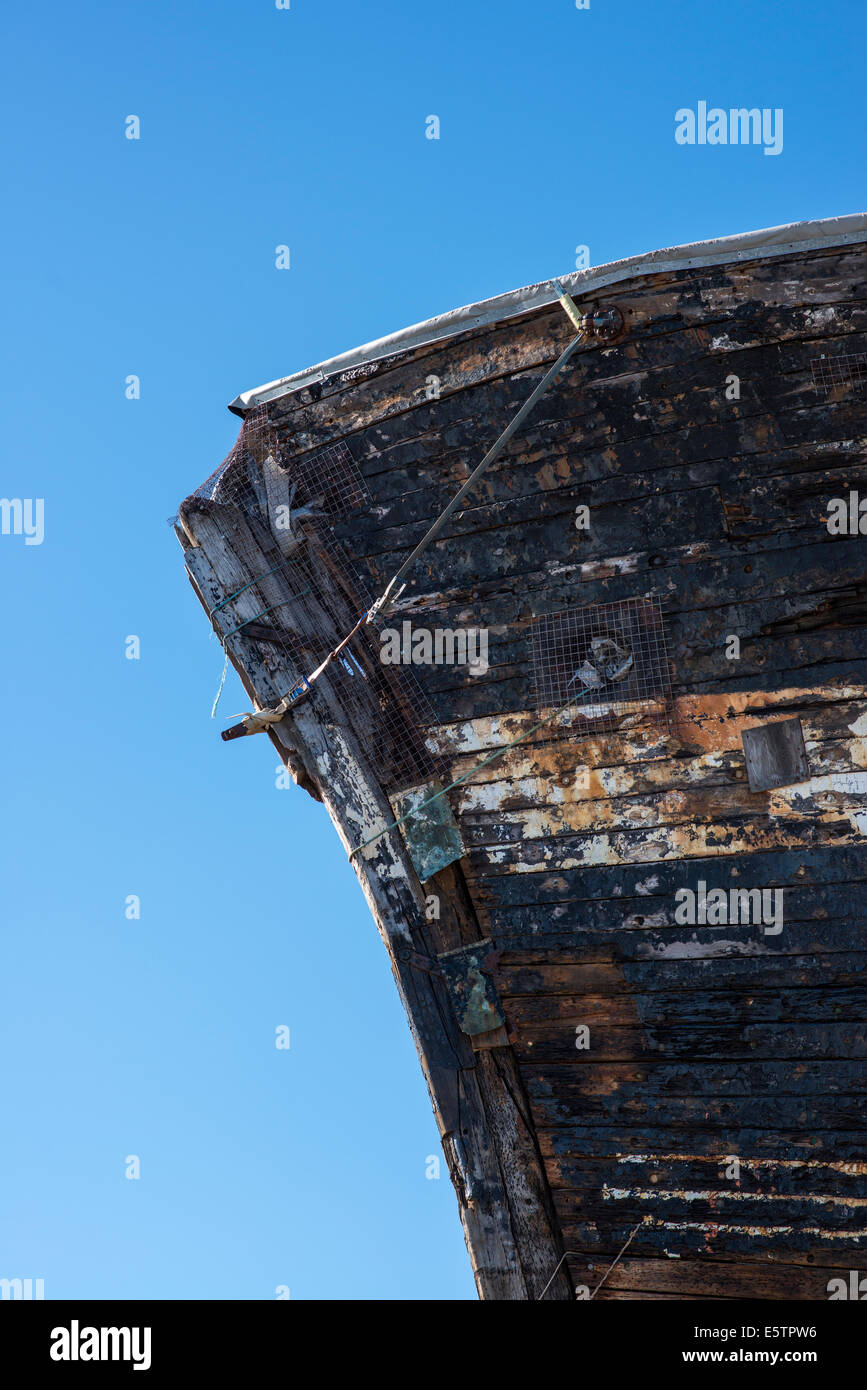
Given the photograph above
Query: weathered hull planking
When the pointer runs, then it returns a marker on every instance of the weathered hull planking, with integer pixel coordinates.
(635, 981)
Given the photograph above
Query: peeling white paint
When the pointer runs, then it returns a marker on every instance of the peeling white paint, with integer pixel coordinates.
(654, 1194)
(647, 885)
(852, 1168)
(658, 919)
(714, 1228)
(850, 783)
(828, 794)
(689, 950)
(820, 318)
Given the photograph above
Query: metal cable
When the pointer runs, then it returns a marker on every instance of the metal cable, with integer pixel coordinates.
(254, 723)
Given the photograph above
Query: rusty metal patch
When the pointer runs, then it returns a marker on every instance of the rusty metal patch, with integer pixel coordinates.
(431, 833)
(468, 974)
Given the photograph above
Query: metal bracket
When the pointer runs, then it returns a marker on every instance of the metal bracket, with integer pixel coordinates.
(415, 958)
(607, 324)
(263, 719)
(599, 325)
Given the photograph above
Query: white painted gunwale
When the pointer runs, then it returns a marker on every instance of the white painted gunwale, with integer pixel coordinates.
(746, 246)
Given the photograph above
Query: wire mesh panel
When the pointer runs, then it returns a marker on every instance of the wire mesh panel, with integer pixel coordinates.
(603, 667)
(848, 369)
(236, 458)
(329, 479)
(385, 703)
(326, 481)
(298, 592)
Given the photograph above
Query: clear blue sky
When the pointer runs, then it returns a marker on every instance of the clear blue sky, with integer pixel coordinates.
(156, 258)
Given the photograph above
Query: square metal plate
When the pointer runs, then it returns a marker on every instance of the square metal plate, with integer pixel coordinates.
(775, 754)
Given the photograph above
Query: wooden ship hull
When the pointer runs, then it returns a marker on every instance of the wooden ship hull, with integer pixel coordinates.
(647, 1087)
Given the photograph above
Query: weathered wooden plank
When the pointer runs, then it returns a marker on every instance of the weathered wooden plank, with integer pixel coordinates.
(841, 800)
(820, 936)
(655, 1236)
(564, 1149)
(529, 988)
(722, 839)
(492, 515)
(560, 1093)
(663, 1013)
(839, 864)
(415, 476)
(688, 577)
(839, 1217)
(610, 1042)
(660, 1279)
(707, 727)
(517, 784)
(679, 1116)
(834, 907)
(520, 491)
